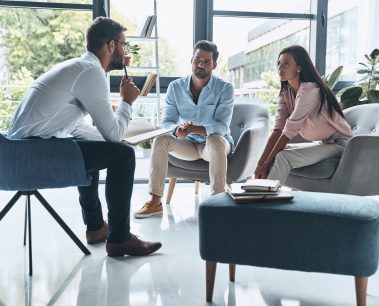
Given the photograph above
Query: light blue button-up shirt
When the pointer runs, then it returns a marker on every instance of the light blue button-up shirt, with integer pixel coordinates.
(213, 110)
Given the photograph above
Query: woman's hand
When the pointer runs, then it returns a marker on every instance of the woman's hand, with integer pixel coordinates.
(261, 172)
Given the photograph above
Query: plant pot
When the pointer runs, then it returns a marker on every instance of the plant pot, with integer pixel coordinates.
(146, 152)
(127, 60)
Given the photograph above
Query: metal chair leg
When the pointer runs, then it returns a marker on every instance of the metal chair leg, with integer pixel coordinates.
(30, 235)
(61, 222)
(10, 204)
(26, 219)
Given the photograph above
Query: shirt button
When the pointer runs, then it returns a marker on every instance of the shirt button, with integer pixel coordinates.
(242, 126)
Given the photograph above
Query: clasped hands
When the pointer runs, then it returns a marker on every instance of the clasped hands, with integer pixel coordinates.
(184, 129)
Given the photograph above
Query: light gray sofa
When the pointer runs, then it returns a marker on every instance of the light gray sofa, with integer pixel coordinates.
(357, 171)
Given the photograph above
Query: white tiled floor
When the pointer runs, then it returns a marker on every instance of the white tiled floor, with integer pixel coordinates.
(173, 276)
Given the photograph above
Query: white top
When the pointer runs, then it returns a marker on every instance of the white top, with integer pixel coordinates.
(58, 100)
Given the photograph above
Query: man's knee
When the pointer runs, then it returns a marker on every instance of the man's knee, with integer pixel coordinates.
(216, 143)
(162, 141)
(124, 152)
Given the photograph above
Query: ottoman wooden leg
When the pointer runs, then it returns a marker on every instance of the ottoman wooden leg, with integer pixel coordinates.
(210, 273)
(232, 272)
(361, 290)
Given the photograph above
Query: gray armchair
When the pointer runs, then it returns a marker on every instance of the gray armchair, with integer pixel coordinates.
(30, 164)
(357, 171)
(249, 129)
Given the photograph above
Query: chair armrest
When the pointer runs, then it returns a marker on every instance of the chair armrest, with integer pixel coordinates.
(358, 170)
(248, 151)
(30, 164)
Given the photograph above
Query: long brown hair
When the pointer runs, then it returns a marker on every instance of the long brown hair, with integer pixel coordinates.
(309, 73)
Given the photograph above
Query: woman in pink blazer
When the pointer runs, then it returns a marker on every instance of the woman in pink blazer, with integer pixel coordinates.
(306, 106)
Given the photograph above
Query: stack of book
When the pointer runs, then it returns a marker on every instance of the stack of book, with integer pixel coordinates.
(258, 189)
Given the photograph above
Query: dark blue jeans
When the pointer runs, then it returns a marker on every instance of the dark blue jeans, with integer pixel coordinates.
(119, 160)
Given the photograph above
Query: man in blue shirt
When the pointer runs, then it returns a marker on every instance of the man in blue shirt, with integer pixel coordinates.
(199, 110)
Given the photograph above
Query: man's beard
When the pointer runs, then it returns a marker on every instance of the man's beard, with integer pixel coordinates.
(117, 62)
(200, 74)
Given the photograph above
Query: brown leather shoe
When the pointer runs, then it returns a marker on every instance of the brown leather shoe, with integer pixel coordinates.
(133, 247)
(97, 236)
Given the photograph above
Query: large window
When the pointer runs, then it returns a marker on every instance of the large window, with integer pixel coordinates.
(352, 33)
(175, 31)
(31, 42)
(277, 6)
(250, 35)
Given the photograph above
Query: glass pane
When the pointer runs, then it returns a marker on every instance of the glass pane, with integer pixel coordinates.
(352, 33)
(62, 1)
(31, 42)
(274, 6)
(174, 46)
(249, 49)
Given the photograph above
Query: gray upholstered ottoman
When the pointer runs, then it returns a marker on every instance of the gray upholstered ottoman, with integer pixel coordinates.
(314, 232)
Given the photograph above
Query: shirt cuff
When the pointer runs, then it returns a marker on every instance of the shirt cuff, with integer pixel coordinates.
(125, 107)
(209, 129)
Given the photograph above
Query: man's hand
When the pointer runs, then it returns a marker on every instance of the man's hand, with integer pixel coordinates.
(184, 129)
(128, 91)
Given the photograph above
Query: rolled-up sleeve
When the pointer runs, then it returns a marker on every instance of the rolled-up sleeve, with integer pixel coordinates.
(282, 114)
(223, 113)
(170, 116)
(307, 100)
(91, 89)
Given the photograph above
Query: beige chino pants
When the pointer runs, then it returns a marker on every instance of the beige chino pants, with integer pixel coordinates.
(288, 159)
(215, 151)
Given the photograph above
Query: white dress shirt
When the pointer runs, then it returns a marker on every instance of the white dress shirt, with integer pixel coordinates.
(58, 101)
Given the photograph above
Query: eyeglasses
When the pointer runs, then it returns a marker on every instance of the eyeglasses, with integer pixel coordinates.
(125, 45)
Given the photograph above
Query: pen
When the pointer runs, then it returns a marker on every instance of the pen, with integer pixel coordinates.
(126, 73)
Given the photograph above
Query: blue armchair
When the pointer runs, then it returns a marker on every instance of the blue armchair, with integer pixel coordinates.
(31, 164)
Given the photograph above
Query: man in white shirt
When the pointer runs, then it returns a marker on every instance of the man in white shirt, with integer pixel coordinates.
(55, 106)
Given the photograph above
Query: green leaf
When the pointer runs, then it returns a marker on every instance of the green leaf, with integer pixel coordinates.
(373, 96)
(363, 64)
(363, 71)
(368, 58)
(332, 78)
(374, 54)
(349, 103)
(351, 91)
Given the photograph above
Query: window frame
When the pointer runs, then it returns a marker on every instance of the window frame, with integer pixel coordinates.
(204, 13)
(203, 24)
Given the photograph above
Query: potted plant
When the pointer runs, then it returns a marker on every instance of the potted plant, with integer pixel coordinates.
(146, 148)
(366, 90)
(130, 49)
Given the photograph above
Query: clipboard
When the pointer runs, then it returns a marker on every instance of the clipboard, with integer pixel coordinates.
(135, 140)
(141, 130)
